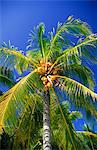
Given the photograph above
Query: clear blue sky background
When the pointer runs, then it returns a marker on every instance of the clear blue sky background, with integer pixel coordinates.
(17, 18)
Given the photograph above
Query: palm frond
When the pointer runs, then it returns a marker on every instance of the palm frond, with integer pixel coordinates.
(78, 93)
(13, 102)
(36, 39)
(86, 91)
(30, 123)
(21, 132)
(75, 54)
(41, 30)
(87, 133)
(90, 138)
(62, 122)
(82, 47)
(35, 53)
(72, 26)
(88, 50)
(61, 125)
(11, 58)
(84, 74)
(76, 27)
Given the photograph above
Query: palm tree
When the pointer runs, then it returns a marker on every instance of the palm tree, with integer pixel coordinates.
(54, 63)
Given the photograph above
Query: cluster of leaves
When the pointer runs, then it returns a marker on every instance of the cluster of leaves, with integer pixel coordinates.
(19, 104)
(12, 58)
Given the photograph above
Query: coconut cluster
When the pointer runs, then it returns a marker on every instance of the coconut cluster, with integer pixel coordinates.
(44, 67)
(43, 70)
(48, 81)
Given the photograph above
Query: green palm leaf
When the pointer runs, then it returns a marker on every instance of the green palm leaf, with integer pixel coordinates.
(58, 63)
(61, 122)
(35, 53)
(14, 101)
(36, 39)
(88, 133)
(72, 26)
(62, 128)
(83, 73)
(75, 54)
(30, 123)
(89, 137)
(78, 93)
(14, 59)
(40, 34)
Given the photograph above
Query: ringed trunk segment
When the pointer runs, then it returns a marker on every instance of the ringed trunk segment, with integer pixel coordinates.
(46, 122)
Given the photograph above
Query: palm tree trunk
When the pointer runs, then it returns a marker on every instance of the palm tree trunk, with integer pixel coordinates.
(46, 122)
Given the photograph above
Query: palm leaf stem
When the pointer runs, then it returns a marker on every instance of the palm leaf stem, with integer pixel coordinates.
(42, 48)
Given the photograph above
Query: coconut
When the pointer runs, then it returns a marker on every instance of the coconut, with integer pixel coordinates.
(43, 78)
(53, 78)
(49, 64)
(48, 84)
(41, 70)
(42, 61)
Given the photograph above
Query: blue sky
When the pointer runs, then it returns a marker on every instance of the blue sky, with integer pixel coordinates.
(17, 18)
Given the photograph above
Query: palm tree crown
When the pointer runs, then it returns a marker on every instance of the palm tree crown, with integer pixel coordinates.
(58, 60)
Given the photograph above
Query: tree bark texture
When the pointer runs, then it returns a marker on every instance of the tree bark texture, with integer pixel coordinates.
(46, 122)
